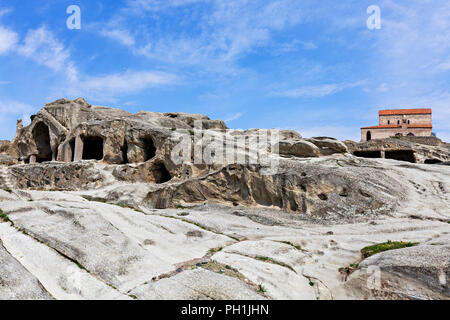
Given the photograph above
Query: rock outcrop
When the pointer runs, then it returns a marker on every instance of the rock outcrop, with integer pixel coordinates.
(400, 149)
(98, 203)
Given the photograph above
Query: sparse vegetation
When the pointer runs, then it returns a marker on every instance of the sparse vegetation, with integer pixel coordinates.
(381, 247)
(311, 284)
(122, 205)
(261, 288)
(261, 258)
(4, 217)
(298, 247)
(8, 190)
(214, 250)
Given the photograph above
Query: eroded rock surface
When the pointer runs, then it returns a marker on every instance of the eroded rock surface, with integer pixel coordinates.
(98, 208)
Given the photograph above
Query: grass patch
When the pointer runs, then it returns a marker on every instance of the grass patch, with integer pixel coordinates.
(261, 258)
(214, 250)
(381, 247)
(4, 217)
(292, 245)
(261, 288)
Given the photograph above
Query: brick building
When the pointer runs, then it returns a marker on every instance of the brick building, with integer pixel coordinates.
(400, 122)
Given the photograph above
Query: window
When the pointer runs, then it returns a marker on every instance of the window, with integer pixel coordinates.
(409, 122)
(398, 121)
(389, 121)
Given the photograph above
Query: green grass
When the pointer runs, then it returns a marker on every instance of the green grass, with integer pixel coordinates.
(214, 250)
(292, 245)
(390, 245)
(261, 258)
(4, 217)
(261, 288)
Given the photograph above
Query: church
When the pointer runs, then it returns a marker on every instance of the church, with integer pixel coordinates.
(400, 122)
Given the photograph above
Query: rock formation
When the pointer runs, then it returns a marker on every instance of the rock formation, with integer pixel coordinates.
(98, 203)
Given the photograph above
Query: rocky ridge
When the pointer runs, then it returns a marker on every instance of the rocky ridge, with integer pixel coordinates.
(134, 224)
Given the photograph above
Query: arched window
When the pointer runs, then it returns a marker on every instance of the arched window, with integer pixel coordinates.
(398, 121)
(409, 122)
(368, 136)
(389, 121)
(410, 134)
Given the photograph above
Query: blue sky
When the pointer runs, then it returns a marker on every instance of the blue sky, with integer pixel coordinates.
(312, 66)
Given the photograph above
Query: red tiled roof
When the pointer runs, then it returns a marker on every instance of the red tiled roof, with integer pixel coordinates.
(404, 111)
(393, 126)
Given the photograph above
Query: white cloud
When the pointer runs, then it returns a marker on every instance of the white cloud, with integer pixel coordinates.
(318, 91)
(109, 87)
(224, 30)
(11, 111)
(8, 40)
(122, 36)
(14, 107)
(157, 5)
(234, 117)
(42, 46)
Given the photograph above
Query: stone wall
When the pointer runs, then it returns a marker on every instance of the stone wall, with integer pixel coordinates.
(413, 118)
(384, 133)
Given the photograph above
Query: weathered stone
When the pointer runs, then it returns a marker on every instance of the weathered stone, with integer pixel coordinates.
(298, 148)
(329, 146)
(16, 283)
(400, 149)
(420, 272)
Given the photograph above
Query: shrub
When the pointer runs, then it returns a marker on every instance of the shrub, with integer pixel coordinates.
(390, 245)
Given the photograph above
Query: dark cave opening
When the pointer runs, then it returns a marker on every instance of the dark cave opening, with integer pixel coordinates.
(41, 135)
(149, 149)
(92, 148)
(72, 148)
(367, 154)
(401, 155)
(160, 173)
(432, 161)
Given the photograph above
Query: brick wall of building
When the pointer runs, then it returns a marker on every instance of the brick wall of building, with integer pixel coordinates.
(413, 119)
(400, 122)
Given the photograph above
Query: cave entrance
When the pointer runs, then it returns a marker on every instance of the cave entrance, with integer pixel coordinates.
(41, 135)
(92, 148)
(432, 161)
(149, 149)
(72, 150)
(401, 155)
(367, 154)
(160, 173)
